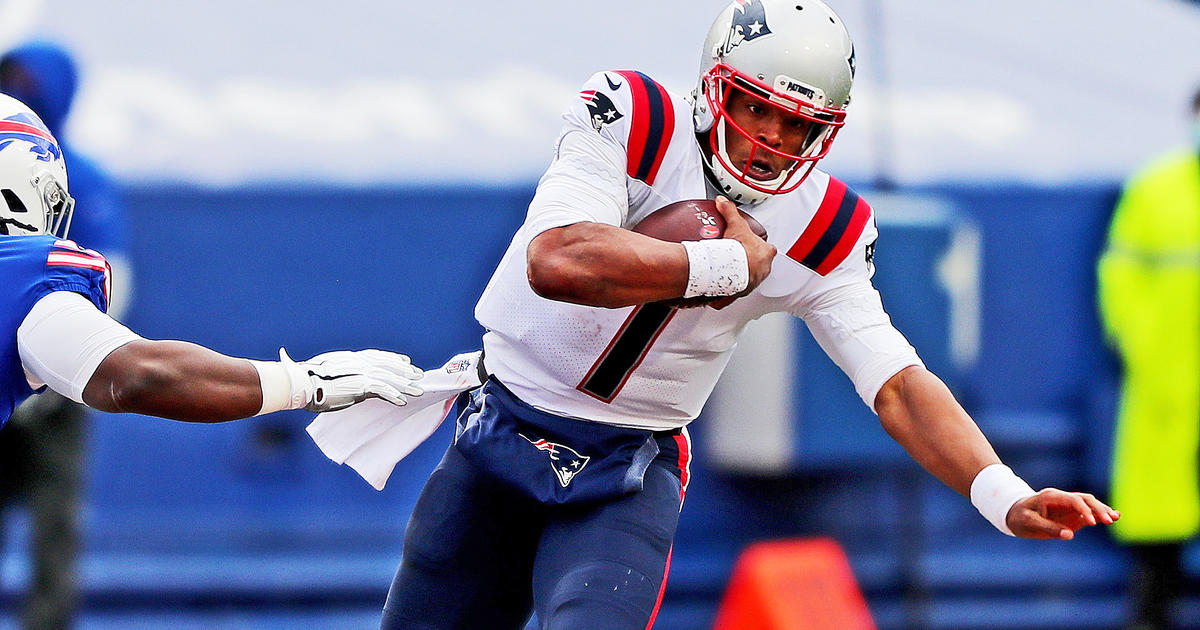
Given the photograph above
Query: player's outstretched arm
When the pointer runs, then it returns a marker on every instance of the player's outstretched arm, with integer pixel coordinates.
(184, 381)
(67, 343)
(918, 411)
(176, 380)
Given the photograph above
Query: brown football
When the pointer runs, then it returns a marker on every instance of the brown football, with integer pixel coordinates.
(692, 220)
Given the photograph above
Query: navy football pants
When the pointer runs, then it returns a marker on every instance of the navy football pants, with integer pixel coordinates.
(480, 556)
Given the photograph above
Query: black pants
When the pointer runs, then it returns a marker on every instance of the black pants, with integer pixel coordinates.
(41, 463)
(1157, 582)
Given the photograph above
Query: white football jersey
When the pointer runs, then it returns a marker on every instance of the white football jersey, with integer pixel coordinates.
(627, 149)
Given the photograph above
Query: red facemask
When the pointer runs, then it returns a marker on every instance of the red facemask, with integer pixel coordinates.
(825, 123)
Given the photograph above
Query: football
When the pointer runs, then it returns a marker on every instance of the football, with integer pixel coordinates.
(692, 220)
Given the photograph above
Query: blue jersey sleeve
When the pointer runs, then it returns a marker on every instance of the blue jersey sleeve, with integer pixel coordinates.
(33, 267)
(43, 264)
(70, 267)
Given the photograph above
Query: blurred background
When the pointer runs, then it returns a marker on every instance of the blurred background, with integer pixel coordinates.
(345, 175)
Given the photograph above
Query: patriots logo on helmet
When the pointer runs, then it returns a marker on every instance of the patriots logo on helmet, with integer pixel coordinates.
(29, 129)
(564, 460)
(749, 23)
(600, 107)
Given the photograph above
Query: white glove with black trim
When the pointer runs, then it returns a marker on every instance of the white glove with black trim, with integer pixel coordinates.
(336, 380)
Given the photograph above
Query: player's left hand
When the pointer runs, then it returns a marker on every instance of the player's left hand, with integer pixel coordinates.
(1055, 514)
(336, 380)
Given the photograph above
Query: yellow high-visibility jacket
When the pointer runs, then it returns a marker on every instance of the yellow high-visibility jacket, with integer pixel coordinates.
(1149, 293)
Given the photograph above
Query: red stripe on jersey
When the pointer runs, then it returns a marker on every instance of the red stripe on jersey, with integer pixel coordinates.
(668, 129)
(820, 222)
(72, 255)
(639, 125)
(651, 127)
(20, 127)
(833, 230)
(862, 212)
(74, 248)
(76, 259)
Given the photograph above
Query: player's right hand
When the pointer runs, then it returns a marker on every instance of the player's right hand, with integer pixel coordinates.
(1053, 513)
(759, 253)
(336, 380)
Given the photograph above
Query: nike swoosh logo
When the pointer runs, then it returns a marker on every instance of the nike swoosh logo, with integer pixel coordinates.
(613, 86)
(332, 377)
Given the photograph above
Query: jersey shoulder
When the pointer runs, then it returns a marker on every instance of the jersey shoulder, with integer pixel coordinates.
(839, 221)
(43, 264)
(631, 108)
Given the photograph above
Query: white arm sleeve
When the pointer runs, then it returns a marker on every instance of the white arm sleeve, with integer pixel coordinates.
(584, 183)
(855, 331)
(63, 339)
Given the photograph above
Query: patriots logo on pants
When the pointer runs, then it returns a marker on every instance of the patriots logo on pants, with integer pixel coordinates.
(564, 460)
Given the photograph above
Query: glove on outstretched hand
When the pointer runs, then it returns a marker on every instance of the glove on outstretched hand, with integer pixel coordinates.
(336, 380)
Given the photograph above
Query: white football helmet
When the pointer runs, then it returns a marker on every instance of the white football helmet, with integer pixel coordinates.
(33, 175)
(794, 55)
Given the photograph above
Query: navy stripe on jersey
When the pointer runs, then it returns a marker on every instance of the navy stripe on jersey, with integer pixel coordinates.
(833, 231)
(626, 351)
(651, 126)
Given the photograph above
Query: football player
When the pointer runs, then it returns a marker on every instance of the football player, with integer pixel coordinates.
(562, 489)
(56, 333)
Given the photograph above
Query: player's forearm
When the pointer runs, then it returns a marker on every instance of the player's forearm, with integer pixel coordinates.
(177, 380)
(601, 265)
(919, 412)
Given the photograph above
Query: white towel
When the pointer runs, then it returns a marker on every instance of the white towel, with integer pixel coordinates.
(372, 436)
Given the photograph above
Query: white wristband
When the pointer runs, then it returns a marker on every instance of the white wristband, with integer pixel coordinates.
(994, 491)
(716, 267)
(278, 391)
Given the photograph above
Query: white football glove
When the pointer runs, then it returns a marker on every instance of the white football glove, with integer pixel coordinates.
(336, 380)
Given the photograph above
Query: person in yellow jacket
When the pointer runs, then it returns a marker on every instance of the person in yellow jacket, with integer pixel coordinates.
(1149, 294)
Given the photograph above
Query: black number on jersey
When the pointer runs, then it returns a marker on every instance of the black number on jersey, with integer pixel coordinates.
(626, 351)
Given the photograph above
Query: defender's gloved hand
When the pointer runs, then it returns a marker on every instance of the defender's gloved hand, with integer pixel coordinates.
(336, 380)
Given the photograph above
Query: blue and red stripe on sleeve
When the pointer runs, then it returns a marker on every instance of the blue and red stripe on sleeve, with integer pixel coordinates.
(652, 124)
(832, 233)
